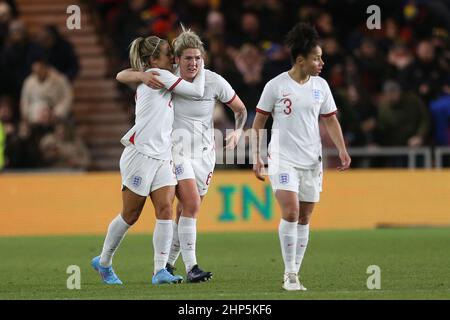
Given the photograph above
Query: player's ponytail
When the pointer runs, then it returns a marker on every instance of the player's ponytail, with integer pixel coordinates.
(142, 49)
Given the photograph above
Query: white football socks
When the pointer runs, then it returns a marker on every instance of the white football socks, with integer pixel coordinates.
(116, 232)
(187, 233)
(302, 242)
(175, 247)
(288, 240)
(162, 239)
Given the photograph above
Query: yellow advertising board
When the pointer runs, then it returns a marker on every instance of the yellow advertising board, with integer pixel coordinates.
(50, 204)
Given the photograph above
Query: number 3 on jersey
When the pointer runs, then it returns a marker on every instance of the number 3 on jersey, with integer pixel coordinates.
(288, 104)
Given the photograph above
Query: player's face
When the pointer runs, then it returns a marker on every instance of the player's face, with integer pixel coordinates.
(189, 63)
(165, 59)
(313, 63)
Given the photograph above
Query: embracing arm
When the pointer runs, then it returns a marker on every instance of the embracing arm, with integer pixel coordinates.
(335, 132)
(165, 79)
(194, 89)
(133, 77)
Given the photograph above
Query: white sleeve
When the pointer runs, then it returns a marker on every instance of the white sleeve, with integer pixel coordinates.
(328, 106)
(225, 92)
(179, 86)
(267, 100)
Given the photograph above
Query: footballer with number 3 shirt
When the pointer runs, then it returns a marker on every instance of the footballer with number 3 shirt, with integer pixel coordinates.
(296, 99)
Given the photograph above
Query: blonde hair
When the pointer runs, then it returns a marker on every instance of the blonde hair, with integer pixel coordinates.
(187, 40)
(142, 49)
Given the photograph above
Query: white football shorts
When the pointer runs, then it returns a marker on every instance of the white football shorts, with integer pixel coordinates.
(200, 169)
(143, 174)
(307, 183)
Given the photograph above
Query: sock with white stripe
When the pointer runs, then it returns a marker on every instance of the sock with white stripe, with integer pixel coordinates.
(187, 233)
(302, 242)
(116, 232)
(175, 247)
(288, 239)
(162, 239)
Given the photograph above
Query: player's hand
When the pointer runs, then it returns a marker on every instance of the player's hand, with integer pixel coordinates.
(345, 160)
(151, 80)
(258, 169)
(232, 139)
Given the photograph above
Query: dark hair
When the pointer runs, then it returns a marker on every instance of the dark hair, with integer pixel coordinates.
(302, 39)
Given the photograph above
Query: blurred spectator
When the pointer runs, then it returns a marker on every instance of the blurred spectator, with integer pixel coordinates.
(59, 51)
(46, 95)
(194, 13)
(21, 141)
(324, 25)
(64, 149)
(440, 111)
(400, 64)
(17, 57)
(371, 65)
(276, 13)
(426, 74)
(22, 148)
(220, 61)
(5, 19)
(333, 69)
(106, 7)
(128, 24)
(403, 117)
(276, 58)
(6, 115)
(358, 117)
(160, 18)
(250, 62)
(215, 26)
(2, 147)
(250, 30)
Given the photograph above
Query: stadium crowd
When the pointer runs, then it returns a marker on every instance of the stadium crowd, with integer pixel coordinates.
(36, 96)
(391, 85)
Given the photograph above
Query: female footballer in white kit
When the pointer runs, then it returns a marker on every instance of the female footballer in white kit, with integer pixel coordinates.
(146, 163)
(193, 150)
(296, 99)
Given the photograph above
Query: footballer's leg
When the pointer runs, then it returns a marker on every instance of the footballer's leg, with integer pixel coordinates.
(287, 230)
(175, 249)
(306, 209)
(132, 208)
(187, 229)
(162, 199)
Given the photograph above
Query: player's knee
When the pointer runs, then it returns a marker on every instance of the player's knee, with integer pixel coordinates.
(304, 219)
(290, 213)
(305, 216)
(131, 216)
(164, 211)
(191, 209)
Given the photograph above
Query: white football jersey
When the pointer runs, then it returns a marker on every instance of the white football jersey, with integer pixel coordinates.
(194, 116)
(151, 134)
(295, 109)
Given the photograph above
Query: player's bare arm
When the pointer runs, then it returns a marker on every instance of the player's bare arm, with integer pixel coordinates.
(335, 132)
(133, 77)
(240, 117)
(258, 165)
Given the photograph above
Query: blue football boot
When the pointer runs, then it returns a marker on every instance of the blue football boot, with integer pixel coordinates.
(108, 275)
(163, 276)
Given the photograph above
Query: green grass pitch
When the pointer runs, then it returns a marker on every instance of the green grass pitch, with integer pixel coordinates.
(415, 264)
